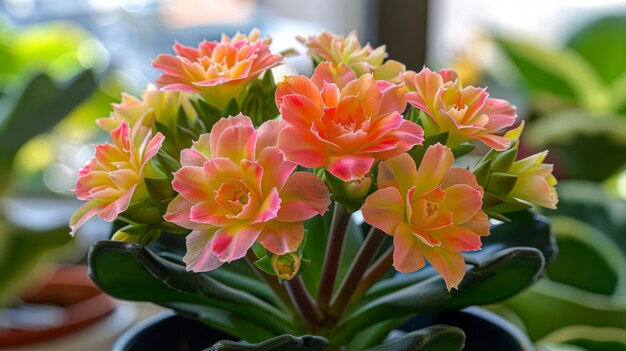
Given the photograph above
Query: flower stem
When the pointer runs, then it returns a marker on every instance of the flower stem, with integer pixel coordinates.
(340, 221)
(374, 273)
(303, 302)
(273, 284)
(363, 258)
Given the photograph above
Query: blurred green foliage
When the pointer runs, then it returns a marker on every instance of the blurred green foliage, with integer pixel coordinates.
(47, 73)
(577, 98)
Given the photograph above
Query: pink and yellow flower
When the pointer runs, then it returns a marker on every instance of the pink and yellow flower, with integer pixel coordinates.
(235, 188)
(342, 123)
(465, 112)
(535, 182)
(348, 50)
(221, 70)
(113, 178)
(433, 213)
(154, 105)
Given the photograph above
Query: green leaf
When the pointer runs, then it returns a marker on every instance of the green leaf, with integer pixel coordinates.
(317, 238)
(581, 139)
(131, 272)
(160, 189)
(279, 343)
(588, 338)
(40, 106)
(590, 203)
(587, 259)
(601, 43)
(231, 109)
(561, 73)
(496, 278)
(418, 151)
(501, 184)
(550, 306)
(435, 338)
(265, 265)
(462, 149)
(504, 160)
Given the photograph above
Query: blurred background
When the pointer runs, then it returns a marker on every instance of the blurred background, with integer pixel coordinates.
(62, 64)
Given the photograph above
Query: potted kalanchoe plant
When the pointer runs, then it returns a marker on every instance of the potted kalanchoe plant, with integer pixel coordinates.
(234, 202)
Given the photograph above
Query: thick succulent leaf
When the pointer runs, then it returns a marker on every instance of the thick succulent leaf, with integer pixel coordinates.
(525, 229)
(580, 139)
(589, 202)
(562, 73)
(588, 338)
(550, 306)
(435, 338)
(279, 343)
(131, 272)
(601, 43)
(494, 279)
(587, 259)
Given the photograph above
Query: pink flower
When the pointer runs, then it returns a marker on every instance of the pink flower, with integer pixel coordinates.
(348, 50)
(154, 105)
(433, 213)
(235, 188)
(221, 70)
(113, 178)
(465, 112)
(342, 123)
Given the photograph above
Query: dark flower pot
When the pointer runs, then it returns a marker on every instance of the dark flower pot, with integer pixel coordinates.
(167, 331)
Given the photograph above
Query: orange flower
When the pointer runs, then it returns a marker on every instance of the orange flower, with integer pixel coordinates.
(221, 70)
(465, 112)
(348, 50)
(342, 123)
(433, 213)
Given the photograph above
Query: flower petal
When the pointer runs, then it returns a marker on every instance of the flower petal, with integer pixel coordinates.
(199, 257)
(232, 242)
(281, 237)
(349, 167)
(435, 165)
(451, 265)
(303, 196)
(384, 209)
(398, 172)
(407, 253)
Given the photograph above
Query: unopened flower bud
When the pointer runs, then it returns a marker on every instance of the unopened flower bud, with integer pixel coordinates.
(138, 235)
(357, 189)
(286, 266)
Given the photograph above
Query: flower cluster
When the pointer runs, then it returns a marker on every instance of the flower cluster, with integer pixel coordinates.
(239, 188)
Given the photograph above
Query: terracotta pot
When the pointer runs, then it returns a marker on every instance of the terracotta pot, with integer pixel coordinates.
(82, 304)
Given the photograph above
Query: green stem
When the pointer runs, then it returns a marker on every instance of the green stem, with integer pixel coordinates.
(374, 274)
(366, 253)
(303, 302)
(273, 284)
(339, 224)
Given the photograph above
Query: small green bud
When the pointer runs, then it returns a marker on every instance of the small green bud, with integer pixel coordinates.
(286, 266)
